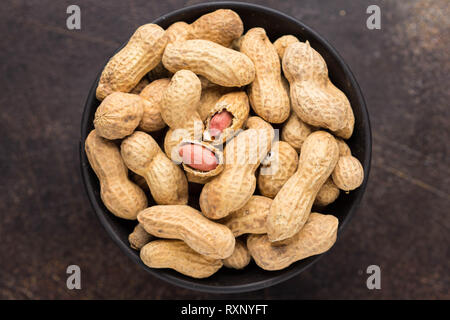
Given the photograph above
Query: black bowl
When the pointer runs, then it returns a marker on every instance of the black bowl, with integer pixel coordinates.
(251, 278)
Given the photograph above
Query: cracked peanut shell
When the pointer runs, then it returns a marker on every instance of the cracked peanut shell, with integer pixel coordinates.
(231, 190)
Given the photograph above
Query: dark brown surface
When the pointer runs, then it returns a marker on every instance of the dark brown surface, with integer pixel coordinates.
(46, 221)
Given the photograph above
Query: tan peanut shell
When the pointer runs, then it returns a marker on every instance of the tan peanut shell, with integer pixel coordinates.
(180, 100)
(295, 131)
(292, 205)
(140, 86)
(283, 42)
(121, 196)
(139, 237)
(179, 31)
(235, 103)
(267, 95)
(348, 173)
(220, 65)
(251, 218)
(153, 93)
(278, 166)
(344, 149)
(327, 194)
(313, 97)
(209, 98)
(240, 257)
(231, 190)
(175, 139)
(167, 182)
(127, 67)
(221, 26)
(347, 131)
(175, 254)
(119, 115)
(202, 177)
(317, 236)
(185, 223)
(179, 110)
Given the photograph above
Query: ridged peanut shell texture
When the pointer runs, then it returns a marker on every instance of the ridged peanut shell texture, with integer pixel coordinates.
(179, 110)
(119, 115)
(240, 257)
(185, 223)
(127, 67)
(251, 218)
(180, 100)
(344, 149)
(221, 26)
(278, 166)
(231, 190)
(167, 182)
(268, 97)
(283, 42)
(209, 98)
(235, 103)
(120, 196)
(175, 254)
(314, 98)
(151, 117)
(327, 194)
(292, 205)
(348, 173)
(317, 236)
(295, 131)
(220, 65)
(178, 31)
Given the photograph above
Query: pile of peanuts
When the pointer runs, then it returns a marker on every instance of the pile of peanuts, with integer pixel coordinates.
(219, 91)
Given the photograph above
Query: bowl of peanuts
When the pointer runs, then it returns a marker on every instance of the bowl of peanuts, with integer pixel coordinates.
(225, 146)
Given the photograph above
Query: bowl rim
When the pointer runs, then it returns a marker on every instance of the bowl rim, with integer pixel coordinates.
(191, 283)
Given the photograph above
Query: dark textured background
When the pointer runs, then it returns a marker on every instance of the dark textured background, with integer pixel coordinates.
(46, 221)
